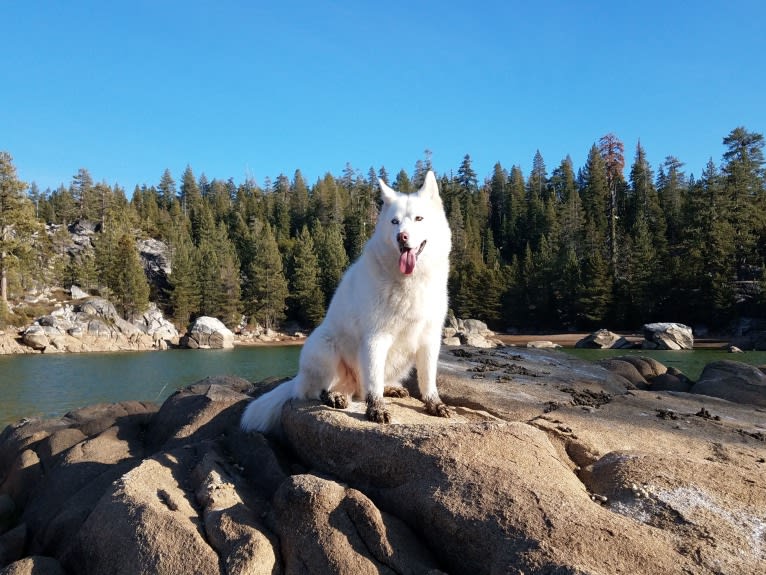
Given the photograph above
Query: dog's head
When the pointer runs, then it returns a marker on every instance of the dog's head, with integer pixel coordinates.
(414, 224)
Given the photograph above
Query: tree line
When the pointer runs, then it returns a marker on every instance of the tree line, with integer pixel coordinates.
(606, 244)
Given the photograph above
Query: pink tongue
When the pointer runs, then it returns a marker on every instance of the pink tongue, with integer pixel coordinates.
(407, 261)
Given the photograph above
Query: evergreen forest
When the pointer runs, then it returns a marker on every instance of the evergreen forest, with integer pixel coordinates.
(613, 243)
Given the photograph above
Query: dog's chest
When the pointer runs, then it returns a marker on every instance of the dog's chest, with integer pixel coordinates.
(413, 303)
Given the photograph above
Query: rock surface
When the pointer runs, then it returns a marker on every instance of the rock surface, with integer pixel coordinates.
(208, 333)
(672, 336)
(93, 324)
(604, 339)
(470, 332)
(734, 381)
(548, 465)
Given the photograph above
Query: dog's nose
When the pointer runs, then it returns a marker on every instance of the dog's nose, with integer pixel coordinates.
(402, 237)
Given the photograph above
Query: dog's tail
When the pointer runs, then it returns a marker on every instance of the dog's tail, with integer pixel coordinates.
(264, 413)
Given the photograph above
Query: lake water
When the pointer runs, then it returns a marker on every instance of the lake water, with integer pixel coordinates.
(690, 362)
(51, 385)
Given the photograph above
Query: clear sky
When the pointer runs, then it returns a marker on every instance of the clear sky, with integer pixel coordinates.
(251, 88)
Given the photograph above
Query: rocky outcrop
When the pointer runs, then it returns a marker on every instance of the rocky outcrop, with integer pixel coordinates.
(672, 336)
(153, 323)
(644, 372)
(547, 465)
(155, 258)
(208, 333)
(77, 292)
(93, 324)
(470, 332)
(258, 334)
(733, 381)
(603, 339)
(10, 344)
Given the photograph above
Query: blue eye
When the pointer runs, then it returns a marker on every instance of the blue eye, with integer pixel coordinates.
(395, 221)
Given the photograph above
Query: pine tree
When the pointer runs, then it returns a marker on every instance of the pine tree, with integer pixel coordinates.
(612, 151)
(567, 285)
(645, 204)
(191, 195)
(266, 289)
(571, 214)
(402, 183)
(498, 216)
(218, 277)
(744, 180)
(281, 202)
(514, 241)
(595, 199)
(208, 267)
(466, 176)
(672, 188)
(130, 288)
(595, 299)
(64, 206)
(167, 189)
(17, 225)
(639, 285)
(184, 295)
(107, 251)
(299, 203)
(82, 191)
(710, 248)
(421, 169)
(306, 297)
(332, 258)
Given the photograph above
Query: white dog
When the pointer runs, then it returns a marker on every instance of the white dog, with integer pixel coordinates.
(386, 316)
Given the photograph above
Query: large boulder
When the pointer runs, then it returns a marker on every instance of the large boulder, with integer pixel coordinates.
(603, 339)
(548, 464)
(647, 373)
(733, 381)
(36, 337)
(672, 336)
(208, 333)
(468, 332)
(77, 292)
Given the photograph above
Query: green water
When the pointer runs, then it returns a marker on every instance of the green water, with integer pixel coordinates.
(690, 363)
(51, 385)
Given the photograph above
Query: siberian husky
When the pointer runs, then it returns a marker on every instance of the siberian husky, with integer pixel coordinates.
(385, 317)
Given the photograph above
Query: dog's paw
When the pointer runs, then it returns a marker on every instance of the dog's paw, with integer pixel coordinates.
(437, 408)
(334, 399)
(378, 414)
(395, 391)
(377, 411)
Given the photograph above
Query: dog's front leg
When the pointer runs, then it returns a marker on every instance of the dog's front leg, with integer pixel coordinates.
(373, 366)
(426, 362)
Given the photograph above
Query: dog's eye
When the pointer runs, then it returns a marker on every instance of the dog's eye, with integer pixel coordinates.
(395, 221)
(418, 218)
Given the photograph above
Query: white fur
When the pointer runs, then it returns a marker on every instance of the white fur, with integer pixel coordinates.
(381, 321)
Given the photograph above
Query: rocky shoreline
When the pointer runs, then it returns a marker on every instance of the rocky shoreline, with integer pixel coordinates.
(92, 324)
(12, 341)
(549, 464)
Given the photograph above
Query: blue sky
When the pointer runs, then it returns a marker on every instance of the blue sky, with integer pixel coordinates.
(247, 88)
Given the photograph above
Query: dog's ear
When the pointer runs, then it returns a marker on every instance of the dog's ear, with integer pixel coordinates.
(430, 189)
(386, 193)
